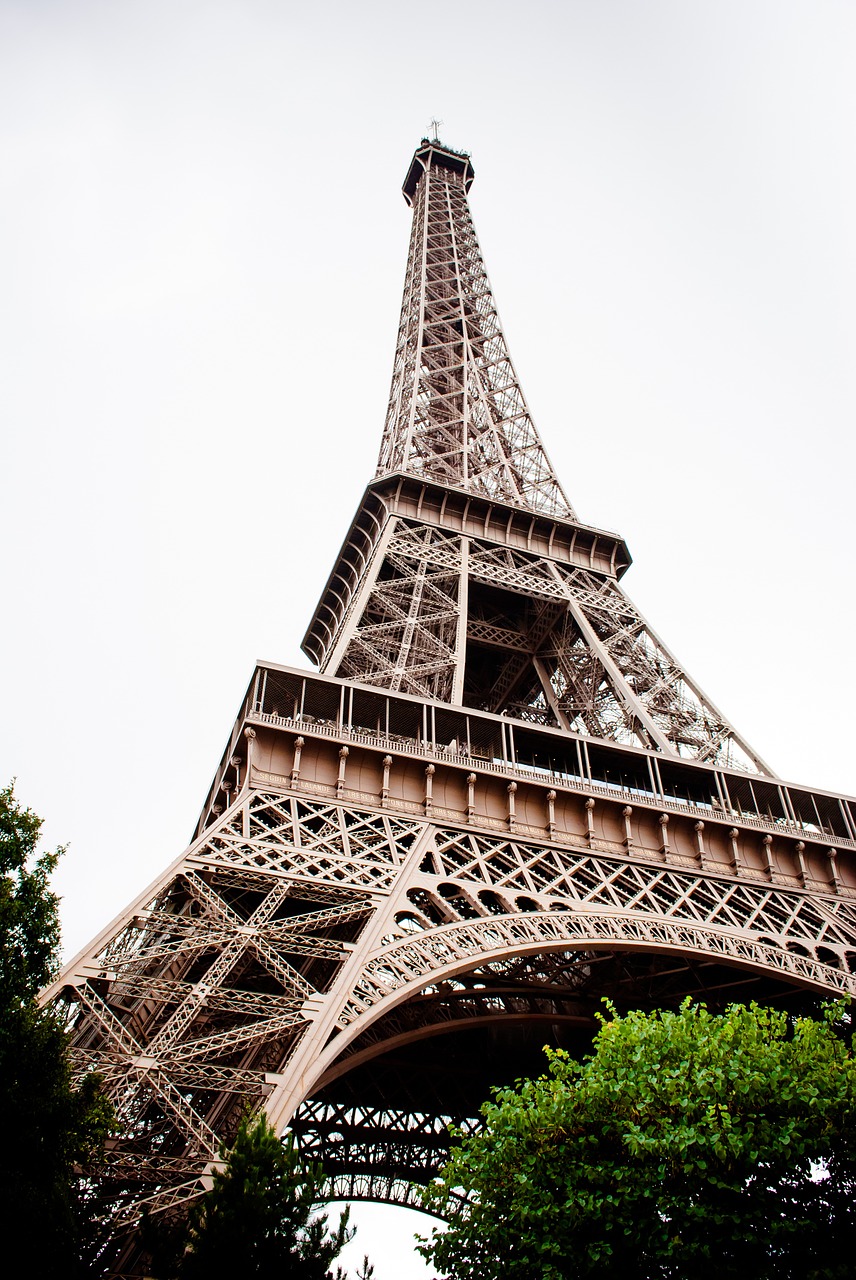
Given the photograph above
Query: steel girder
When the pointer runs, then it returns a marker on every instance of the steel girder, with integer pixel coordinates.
(444, 616)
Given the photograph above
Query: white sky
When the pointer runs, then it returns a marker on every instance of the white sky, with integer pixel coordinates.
(202, 249)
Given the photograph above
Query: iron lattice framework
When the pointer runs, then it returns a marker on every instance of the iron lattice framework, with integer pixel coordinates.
(480, 586)
(456, 411)
(501, 799)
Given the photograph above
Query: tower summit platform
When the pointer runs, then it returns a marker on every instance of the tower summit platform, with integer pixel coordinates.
(430, 153)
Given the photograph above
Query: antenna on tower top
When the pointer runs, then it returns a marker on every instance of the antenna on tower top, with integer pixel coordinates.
(435, 125)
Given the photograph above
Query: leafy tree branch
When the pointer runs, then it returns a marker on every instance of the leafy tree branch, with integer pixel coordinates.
(686, 1144)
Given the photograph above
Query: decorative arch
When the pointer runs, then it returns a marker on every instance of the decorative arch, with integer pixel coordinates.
(404, 966)
(375, 1145)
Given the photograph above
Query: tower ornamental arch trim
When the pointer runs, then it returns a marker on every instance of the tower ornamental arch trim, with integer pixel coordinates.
(402, 968)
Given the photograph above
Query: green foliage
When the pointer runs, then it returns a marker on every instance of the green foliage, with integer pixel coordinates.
(29, 912)
(687, 1144)
(48, 1126)
(258, 1219)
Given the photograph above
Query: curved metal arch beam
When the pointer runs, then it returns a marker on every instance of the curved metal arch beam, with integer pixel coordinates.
(367, 1189)
(405, 966)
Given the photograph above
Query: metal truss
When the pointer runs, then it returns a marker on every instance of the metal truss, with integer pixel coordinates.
(190, 1004)
(438, 606)
(456, 411)
(646, 682)
(378, 1153)
(407, 636)
(546, 642)
(300, 937)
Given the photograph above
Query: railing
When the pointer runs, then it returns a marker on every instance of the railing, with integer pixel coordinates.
(526, 830)
(582, 786)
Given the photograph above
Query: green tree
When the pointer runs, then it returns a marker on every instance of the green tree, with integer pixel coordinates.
(258, 1219)
(48, 1126)
(686, 1145)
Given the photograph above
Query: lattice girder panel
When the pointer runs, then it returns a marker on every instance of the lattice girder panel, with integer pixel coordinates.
(691, 725)
(406, 636)
(376, 1153)
(589, 878)
(191, 1005)
(325, 844)
(529, 575)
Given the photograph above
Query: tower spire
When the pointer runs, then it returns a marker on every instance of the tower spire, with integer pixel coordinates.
(457, 414)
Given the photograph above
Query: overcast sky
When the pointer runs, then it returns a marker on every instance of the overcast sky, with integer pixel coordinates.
(202, 250)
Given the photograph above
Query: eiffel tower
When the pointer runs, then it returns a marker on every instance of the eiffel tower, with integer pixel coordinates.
(500, 798)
